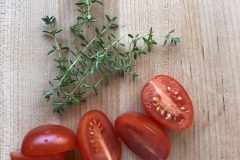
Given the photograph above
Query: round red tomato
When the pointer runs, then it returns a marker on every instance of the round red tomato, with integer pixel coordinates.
(97, 138)
(143, 136)
(48, 140)
(17, 155)
(167, 102)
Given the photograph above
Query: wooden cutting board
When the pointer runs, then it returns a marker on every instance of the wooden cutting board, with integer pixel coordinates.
(206, 63)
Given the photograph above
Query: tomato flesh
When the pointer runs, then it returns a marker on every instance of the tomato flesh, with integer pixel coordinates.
(167, 102)
(97, 138)
(17, 155)
(143, 136)
(48, 140)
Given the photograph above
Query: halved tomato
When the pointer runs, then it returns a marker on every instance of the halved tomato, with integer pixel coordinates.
(167, 102)
(143, 136)
(17, 155)
(97, 138)
(48, 140)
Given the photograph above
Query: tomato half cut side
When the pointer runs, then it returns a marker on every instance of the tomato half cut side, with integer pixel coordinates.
(97, 138)
(17, 155)
(167, 102)
(143, 136)
(48, 140)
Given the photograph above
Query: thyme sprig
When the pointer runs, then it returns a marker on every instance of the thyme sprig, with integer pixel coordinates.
(170, 38)
(94, 60)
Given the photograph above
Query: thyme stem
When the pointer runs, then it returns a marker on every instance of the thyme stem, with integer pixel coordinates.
(79, 57)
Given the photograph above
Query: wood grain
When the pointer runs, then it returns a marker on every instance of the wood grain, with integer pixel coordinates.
(206, 63)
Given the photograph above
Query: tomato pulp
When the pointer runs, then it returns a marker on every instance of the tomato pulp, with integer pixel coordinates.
(143, 136)
(48, 140)
(97, 138)
(167, 102)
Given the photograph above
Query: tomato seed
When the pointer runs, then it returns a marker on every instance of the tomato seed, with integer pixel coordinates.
(91, 124)
(182, 108)
(168, 116)
(168, 88)
(155, 99)
(162, 112)
(91, 141)
(179, 98)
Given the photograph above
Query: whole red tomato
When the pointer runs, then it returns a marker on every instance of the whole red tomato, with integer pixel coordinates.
(97, 138)
(143, 136)
(167, 102)
(48, 140)
(17, 155)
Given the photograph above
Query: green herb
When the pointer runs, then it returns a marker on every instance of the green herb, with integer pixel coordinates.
(49, 20)
(169, 38)
(97, 58)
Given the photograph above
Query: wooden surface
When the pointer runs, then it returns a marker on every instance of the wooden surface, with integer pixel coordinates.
(206, 63)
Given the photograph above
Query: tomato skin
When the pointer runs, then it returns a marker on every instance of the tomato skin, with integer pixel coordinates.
(172, 106)
(143, 136)
(17, 155)
(97, 138)
(48, 140)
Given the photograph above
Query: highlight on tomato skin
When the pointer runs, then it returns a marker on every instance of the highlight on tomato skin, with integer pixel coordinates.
(97, 137)
(143, 136)
(166, 101)
(17, 155)
(49, 140)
